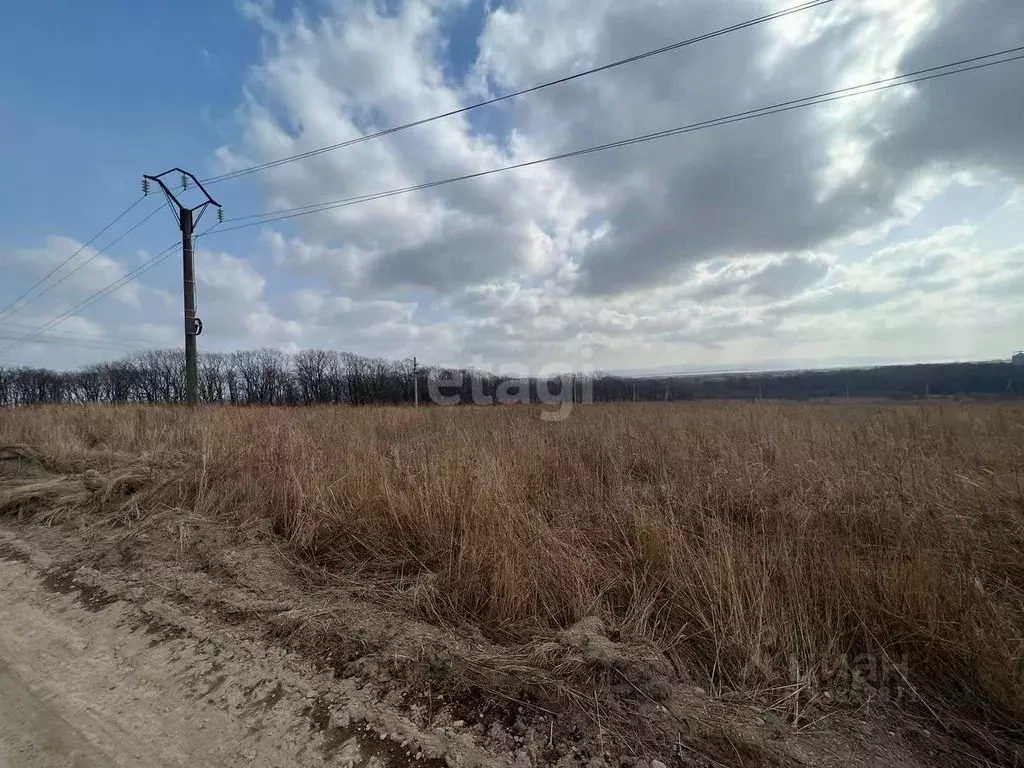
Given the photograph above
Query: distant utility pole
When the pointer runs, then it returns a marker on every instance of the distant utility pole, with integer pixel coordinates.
(415, 385)
(186, 222)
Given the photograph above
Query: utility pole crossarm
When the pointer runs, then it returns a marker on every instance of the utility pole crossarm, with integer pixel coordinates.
(185, 174)
(186, 222)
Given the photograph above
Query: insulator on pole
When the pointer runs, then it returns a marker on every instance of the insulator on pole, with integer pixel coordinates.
(145, 186)
(184, 181)
(220, 215)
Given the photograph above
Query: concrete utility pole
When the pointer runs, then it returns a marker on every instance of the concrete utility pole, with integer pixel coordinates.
(186, 222)
(193, 325)
(415, 385)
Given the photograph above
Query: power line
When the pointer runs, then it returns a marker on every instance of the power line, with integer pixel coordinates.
(896, 81)
(79, 343)
(93, 298)
(629, 60)
(85, 263)
(104, 292)
(85, 245)
(73, 335)
(22, 364)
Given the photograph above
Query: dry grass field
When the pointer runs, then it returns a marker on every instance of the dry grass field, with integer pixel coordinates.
(759, 545)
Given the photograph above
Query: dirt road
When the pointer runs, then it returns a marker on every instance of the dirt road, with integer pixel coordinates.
(86, 681)
(81, 687)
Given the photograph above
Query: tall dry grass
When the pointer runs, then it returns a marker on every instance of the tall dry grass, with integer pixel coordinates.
(757, 543)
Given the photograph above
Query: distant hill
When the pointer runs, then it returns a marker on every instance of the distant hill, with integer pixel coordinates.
(988, 379)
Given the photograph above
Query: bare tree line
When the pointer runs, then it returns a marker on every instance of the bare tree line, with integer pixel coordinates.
(263, 376)
(319, 376)
(256, 377)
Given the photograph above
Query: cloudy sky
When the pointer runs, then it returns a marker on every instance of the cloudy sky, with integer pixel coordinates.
(878, 228)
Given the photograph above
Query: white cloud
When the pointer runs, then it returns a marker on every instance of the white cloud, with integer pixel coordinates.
(785, 183)
(89, 271)
(783, 237)
(230, 277)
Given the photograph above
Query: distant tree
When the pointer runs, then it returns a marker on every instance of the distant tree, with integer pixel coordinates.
(313, 370)
(213, 377)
